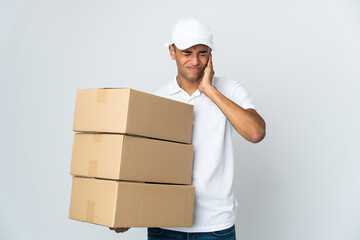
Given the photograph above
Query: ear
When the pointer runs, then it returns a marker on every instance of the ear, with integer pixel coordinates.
(172, 52)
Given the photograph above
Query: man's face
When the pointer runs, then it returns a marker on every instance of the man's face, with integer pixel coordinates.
(191, 62)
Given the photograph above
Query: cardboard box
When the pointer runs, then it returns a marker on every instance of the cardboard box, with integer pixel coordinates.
(133, 112)
(121, 157)
(130, 204)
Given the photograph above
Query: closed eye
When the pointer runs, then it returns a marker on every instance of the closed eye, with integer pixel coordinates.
(186, 51)
(204, 53)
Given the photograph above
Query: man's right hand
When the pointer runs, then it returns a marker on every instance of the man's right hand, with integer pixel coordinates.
(119, 230)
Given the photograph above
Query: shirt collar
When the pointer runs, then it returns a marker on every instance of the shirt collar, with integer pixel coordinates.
(174, 87)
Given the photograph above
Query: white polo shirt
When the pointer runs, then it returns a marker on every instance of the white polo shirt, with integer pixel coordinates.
(213, 169)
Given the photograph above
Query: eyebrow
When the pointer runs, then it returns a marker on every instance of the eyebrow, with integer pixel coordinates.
(188, 51)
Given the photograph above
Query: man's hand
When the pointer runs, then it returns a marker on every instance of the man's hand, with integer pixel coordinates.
(119, 230)
(247, 122)
(206, 80)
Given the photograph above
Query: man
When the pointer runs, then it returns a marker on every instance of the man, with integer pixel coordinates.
(219, 105)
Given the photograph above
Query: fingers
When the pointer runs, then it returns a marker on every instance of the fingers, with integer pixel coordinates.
(209, 64)
(119, 230)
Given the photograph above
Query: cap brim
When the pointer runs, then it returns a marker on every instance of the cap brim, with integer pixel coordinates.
(192, 42)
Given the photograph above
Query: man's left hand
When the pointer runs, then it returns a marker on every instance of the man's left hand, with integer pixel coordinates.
(119, 230)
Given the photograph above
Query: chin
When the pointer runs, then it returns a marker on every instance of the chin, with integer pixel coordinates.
(194, 78)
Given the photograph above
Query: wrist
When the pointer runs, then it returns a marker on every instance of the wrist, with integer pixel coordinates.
(209, 91)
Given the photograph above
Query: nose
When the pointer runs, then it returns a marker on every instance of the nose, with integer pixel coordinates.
(194, 60)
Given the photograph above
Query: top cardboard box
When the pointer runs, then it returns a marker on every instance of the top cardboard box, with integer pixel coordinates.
(127, 111)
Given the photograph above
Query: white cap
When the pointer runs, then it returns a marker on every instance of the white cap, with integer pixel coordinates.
(189, 32)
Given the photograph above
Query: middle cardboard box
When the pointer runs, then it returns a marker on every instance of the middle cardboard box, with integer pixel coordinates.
(129, 158)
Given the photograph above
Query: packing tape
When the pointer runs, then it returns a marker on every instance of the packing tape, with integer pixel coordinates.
(93, 167)
(101, 95)
(90, 211)
(97, 138)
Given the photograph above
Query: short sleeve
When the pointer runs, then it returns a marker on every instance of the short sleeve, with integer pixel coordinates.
(239, 95)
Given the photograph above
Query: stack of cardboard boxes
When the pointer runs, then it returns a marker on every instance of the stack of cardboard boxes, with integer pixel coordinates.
(132, 161)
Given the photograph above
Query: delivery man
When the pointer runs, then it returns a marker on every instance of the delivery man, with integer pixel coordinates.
(220, 105)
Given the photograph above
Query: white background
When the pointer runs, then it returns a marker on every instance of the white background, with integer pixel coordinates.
(299, 60)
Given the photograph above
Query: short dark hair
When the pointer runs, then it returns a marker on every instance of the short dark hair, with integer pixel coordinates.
(174, 46)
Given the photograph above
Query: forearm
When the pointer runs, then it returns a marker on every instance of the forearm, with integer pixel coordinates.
(247, 122)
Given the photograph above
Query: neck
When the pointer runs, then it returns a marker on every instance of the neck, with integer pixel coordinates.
(189, 86)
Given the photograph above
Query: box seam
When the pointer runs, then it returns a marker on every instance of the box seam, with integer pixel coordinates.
(127, 110)
(115, 204)
(74, 120)
(121, 155)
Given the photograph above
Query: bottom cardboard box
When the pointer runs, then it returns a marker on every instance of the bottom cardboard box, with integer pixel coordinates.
(131, 204)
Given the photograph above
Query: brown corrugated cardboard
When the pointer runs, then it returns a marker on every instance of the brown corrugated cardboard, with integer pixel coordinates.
(133, 112)
(121, 157)
(129, 204)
